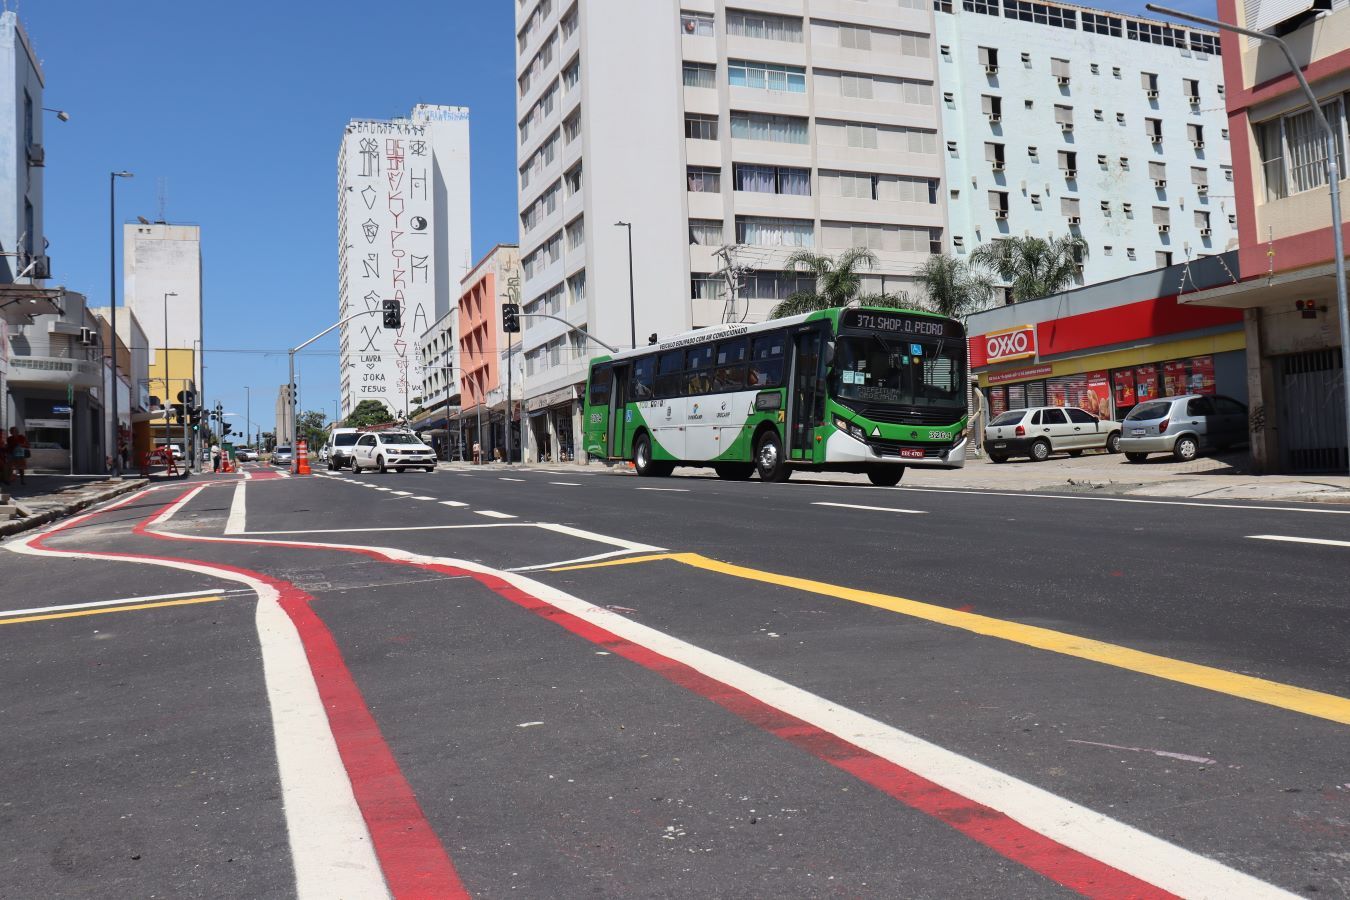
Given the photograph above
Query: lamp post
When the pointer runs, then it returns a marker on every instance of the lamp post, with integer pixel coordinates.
(1333, 176)
(632, 308)
(112, 303)
(165, 363)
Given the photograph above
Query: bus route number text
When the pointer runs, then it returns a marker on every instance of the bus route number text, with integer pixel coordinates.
(932, 328)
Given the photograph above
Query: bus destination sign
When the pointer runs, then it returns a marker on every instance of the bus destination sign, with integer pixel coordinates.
(898, 323)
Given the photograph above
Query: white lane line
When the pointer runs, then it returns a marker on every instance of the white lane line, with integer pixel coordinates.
(206, 592)
(1326, 542)
(235, 524)
(671, 490)
(1234, 505)
(379, 488)
(424, 498)
(632, 546)
(504, 478)
(913, 512)
(493, 514)
(566, 483)
(570, 562)
(452, 503)
(401, 493)
(399, 528)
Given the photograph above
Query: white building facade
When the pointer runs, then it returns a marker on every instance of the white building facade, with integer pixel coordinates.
(743, 132)
(404, 235)
(162, 272)
(1065, 120)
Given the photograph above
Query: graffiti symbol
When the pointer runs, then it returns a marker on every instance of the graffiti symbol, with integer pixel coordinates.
(372, 301)
(418, 224)
(370, 228)
(419, 265)
(417, 148)
(371, 335)
(372, 265)
(369, 195)
(370, 157)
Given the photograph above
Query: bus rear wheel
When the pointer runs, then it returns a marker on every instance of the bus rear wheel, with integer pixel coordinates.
(734, 471)
(886, 476)
(769, 461)
(643, 464)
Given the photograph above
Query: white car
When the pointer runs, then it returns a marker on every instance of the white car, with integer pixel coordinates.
(397, 450)
(1041, 430)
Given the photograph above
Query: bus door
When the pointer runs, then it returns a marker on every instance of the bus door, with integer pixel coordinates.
(806, 407)
(620, 425)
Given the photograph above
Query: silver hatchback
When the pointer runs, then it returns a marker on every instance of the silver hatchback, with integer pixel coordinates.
(1183, 426)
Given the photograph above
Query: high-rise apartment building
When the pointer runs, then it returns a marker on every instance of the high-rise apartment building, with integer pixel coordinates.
(403, 234)
(721, 140)
(1063, 120)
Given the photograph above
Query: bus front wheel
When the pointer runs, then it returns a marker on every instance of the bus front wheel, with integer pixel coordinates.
(769, 461)
(886, 476)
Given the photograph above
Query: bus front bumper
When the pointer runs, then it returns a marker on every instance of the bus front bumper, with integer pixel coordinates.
(843, 450)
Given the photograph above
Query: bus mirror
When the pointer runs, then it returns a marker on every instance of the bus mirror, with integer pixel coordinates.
(768, 400)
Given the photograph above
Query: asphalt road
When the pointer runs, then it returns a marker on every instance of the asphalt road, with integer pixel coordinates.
(557, 683)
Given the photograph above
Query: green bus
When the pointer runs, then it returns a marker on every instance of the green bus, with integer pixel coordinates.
(838, 390)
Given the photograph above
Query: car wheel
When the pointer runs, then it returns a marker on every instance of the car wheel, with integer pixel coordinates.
(734, 471)
(769, 461)
(331, 467)
(1136, 457)
(1040, 451)
(998, 458)
(1185, 448)
(1113, 442)
(379, 464)
(1074, 454)
(886, 476)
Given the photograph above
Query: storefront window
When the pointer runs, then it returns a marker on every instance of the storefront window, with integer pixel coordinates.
(1017, 396)
(1146, 383)
(1189, 376)
(1123, 379)
(998, 401)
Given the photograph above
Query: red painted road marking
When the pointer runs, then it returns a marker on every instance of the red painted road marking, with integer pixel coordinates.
(412, 858)
(996, 830)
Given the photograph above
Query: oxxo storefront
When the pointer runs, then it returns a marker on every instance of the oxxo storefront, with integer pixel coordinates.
(1108, 347)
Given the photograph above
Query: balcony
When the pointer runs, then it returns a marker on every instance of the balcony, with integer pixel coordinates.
(53, 372)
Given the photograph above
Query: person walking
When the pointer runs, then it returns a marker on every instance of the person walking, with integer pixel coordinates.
(17, 450)
(215, 457)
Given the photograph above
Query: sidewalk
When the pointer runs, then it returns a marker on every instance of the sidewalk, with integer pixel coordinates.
(1220, 477)
(46, 498)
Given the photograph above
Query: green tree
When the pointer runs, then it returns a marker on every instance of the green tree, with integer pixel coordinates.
(837, 280)
(1034, 267)
(312, 427)
(953, 288)
(368, 412)
(269, 440)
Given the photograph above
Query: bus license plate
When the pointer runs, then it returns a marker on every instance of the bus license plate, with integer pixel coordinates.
(911, 453)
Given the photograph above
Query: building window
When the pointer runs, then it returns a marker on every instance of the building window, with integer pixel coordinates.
(697, 24)
(764, 26)
(852, 37)
(892, 238)
(572, 180)
(773, 179)
(572, 127)
(1293, 150)
(989, 59)
(704, 179)
(705, 232)
(576, 233)
(766, 127)
(1040, 13)
(706, 286)
(571, 75)
(576, 288)
(766, 76)
(1129, 253)
(701, 127)
(769, 232)
(700, 75)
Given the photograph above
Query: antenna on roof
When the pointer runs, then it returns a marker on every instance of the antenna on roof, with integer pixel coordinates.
(163, 185)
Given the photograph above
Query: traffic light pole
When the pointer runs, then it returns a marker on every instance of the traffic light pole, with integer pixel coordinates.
(290, 384)
(590, 337)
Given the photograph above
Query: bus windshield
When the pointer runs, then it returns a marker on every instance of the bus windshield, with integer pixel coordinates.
(899, 372)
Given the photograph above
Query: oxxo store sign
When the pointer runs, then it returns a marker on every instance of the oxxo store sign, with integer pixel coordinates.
(1015, 343)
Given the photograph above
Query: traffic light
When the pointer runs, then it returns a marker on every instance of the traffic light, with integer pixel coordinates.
(185, 397)
(511, 317)
(393, 314)
(225, 429)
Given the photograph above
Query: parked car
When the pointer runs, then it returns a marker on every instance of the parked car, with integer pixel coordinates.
(1038, 431)
(1183, 426)
(397, 450)
(281, 456)
(339, 447)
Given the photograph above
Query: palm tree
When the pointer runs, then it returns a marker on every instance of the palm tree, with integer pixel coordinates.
(953, 288)
(837, 280)
(1035, 267)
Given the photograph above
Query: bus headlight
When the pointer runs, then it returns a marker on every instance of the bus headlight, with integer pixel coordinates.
(853, 431)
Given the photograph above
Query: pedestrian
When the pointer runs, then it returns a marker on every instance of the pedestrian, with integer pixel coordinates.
(4, 458)
(215, 457)
(18, 451)
(477, 453)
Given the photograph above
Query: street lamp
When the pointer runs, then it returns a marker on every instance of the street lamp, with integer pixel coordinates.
(112, 302)
(60, 113)
(1333, 175)
(447, 413)
(632, 310)
(165, 364)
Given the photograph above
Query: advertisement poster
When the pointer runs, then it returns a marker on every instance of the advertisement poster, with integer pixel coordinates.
(1097, 398)
(998, 402)
(1146, 383)
(1190, 376)
(1056, 394)
(1124, 388)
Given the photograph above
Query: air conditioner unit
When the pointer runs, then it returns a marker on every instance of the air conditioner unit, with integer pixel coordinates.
(995, 117)
(1199, 145)
(1066, 127)
(1000, 214)
(42, 268)
(1070, 173)
(991, 70)
(1075, 220)
(87, 336)
(996, 166)
(1205, 232)
(1160, 183)
(1152, 95)
(1156, 138)
(1164, 229)
(1202, 190)
(37, 156)
(1195, 99)
(1061, 80)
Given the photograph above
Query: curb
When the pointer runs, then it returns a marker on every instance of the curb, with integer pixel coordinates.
(17, 525)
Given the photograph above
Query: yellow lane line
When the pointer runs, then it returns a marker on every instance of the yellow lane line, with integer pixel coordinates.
(1258, 690)
(111, 609)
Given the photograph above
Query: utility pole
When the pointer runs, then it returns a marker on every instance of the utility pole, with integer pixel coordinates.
(732, 273)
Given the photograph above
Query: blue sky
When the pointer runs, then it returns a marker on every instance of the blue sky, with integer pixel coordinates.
(237, 110)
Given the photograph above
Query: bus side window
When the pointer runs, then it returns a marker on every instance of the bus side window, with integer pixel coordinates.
(668, 369)
(766, 361)
(644, 378)
(698, 370)
(602, 377)
(729, 375)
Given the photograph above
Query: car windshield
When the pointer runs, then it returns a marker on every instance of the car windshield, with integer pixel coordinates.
(888, 370)
(345, 440)
(1009, 418)
(1149, 411)
(400, 439)
(282, 450)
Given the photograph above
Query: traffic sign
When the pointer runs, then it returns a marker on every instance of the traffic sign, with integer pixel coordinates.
(61, 410)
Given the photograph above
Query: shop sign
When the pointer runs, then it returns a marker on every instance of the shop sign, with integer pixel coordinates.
(1020, 374)
(1015, 343)
(552, 398)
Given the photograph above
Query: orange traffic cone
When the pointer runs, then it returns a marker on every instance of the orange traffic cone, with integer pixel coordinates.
(302, 458)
